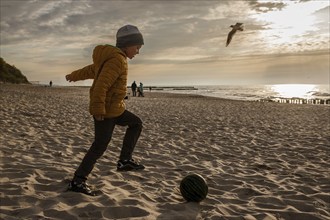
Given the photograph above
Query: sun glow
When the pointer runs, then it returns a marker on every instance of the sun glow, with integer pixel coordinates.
(291, 24)
(294, 90)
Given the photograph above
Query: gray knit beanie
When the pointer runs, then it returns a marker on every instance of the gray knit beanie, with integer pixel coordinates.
(129, 35)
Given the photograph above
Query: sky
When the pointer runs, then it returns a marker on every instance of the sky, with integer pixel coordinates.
(283, 42)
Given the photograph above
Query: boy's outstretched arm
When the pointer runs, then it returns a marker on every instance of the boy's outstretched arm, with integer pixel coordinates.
(85, 73)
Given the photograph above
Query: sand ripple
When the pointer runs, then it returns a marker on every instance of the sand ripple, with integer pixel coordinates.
(261, 160)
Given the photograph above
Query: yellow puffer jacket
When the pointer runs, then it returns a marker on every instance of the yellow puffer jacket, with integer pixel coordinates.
(110, 86)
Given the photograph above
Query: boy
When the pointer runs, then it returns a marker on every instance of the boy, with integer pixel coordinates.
(109, 71)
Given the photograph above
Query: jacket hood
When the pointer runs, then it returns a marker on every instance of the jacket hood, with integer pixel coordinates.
(102, 53)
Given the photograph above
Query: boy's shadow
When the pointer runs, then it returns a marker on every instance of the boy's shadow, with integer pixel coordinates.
(178, 211)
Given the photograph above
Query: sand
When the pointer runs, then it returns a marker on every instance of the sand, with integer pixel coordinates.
(260, 160)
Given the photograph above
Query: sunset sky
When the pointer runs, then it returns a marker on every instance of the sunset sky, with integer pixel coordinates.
(282, 42)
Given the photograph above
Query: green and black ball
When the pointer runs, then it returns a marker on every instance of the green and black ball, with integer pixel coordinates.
(193, 188)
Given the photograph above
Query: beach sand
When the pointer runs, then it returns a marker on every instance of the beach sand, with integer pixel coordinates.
(260, 160)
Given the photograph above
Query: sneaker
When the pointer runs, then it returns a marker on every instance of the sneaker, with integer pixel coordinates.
(81, 188)
(128, 165)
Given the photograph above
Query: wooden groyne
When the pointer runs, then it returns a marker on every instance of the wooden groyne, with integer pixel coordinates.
(298, 101)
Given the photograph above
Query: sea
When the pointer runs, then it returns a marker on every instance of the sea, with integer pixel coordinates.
(295, 93)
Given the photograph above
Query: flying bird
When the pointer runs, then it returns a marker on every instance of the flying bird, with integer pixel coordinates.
(237, 26)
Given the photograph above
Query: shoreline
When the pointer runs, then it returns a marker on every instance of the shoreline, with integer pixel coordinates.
(182, 89)
(260, 160)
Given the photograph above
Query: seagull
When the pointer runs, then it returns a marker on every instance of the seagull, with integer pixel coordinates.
(237, 26)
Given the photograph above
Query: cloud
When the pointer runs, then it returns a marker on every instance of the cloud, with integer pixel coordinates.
(323, 17)
(264, 6)
(184, 36)
(37, 20)
(297, 68)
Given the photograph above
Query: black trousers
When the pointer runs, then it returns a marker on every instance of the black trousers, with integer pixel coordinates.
(103, 134)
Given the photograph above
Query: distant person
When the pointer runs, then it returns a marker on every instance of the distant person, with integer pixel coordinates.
(109, 72)
(50, 84)
(133, 87)
(141, 90)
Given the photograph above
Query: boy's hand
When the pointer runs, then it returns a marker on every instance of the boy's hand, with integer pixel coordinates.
(99, 117)
(68, 78)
